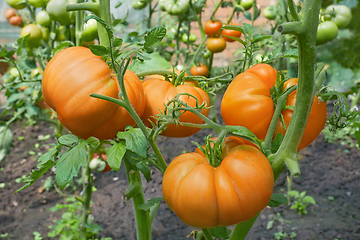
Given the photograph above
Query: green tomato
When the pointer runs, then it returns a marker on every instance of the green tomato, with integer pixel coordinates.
(38, 3)
(35, 33)
(43, 18)
(90, 32)
(57, 12)
(17, 4)
(176, 8)
(36, 71)
(206, 53)
(192, 37)
(14, 72)
(326, 32)
(45, 33)
(60, 34)
(139, 4)
(342, 16)
(270, 12)
(246, 4)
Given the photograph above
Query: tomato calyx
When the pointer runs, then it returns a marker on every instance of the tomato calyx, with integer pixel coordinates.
(213, 149)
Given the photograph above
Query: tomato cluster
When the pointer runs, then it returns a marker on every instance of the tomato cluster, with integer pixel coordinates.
(12, 16)
(250, 94)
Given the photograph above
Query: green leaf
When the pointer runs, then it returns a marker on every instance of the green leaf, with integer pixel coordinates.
(46, 162)
(69, 164)
(103, 23)
(68, 139)
(154, 36)
(277, 142)
(135, 140)
(220, 232)
(277, 199)
(258, 38)
(139, 163)
(243, 132)
(93, 142)
(117, 42)
(6, 140)
(356, 125)
(99, 50)
(152, 61)
(302, 194)
(62, 46)
(309, 199)
(293, 193)
(151, 202)
(115, 154)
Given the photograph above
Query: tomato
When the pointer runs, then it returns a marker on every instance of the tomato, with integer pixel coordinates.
(200, 70)
(98, 164)
(206, 53)
(60, 34)
(205, 196)
(90, 32)
(38, 3)
(327, 31)
(43, 18)
(175, 7)
(14, 72)
(342, 16)
(192, 37)
(15, 20)
(69, 79)
(249, 93)
(216, 45)
(139, 4)
(270, 12)
(232, 33)
(35, 35)
(10, 12)
(212, 28)
(159, 92)
(246, 4)
(316, 120)
(57, 12)
(17, 4)
(266, 72)
(36, 71)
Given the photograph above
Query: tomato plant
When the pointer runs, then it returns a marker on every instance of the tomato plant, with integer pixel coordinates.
(229, 32)
(327, 31)
(159, 92)
(212, 28)
(250, 94)
(66, 89)
(216, 45)
(206, 196)
(200, 70)
(35, 33)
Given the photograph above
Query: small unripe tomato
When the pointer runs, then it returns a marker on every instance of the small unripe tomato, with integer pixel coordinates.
(90, 32)
(35, 35)
(99, 165)
(192, 37)
(246, 4)
(43, 18)
(201, 70)
(10, 12)
(36, 71)
(14, 72)
(270, 12)
(15, 20)
(216, 45)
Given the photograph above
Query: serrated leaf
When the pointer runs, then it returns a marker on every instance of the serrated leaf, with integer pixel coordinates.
(135, 140)
(220, 232)
(99, 50)
(258, 37)
(139, 163)
(68, 139)
(6, 140)
(117, 42)
(151, 202)
(248, 29)
(46, 162)
(115, 154)
(243, 132)
(234, 27)
(277, 199)
(69, 164)
(154, 36)
(309, 199)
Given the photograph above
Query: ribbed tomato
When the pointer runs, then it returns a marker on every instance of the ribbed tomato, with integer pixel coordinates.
(159, 92)
(205, 196)
(69, 79)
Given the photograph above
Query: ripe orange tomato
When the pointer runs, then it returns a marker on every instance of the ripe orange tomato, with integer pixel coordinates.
(212, 28)
(10, 12)
(216, 45)
(201, 70)
(316, 120)
(15, 20)
(249, 94)
(232, 33)
(205, 196)
(159, 92)
(69, 79)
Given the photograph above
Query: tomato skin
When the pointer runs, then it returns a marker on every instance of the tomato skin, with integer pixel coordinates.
(57, 12)
(43, 18)
(17, 4)
(38, 3)
(327, 31)
(68, 80)
(216, 45)
(212, 28)
(205, 196)
(15, 20)
(10, 12)
(232, 33)
(316, 120)
(343, 15)
(246, 4)
(201, 70)
(159, 92)
(266, 72)
(35, 35)
(139, 4)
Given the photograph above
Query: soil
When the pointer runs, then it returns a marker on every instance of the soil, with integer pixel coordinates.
(330, 174)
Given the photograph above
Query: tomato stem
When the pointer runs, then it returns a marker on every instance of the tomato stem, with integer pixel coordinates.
(241, 229)
(293, 12)
(207, 233)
